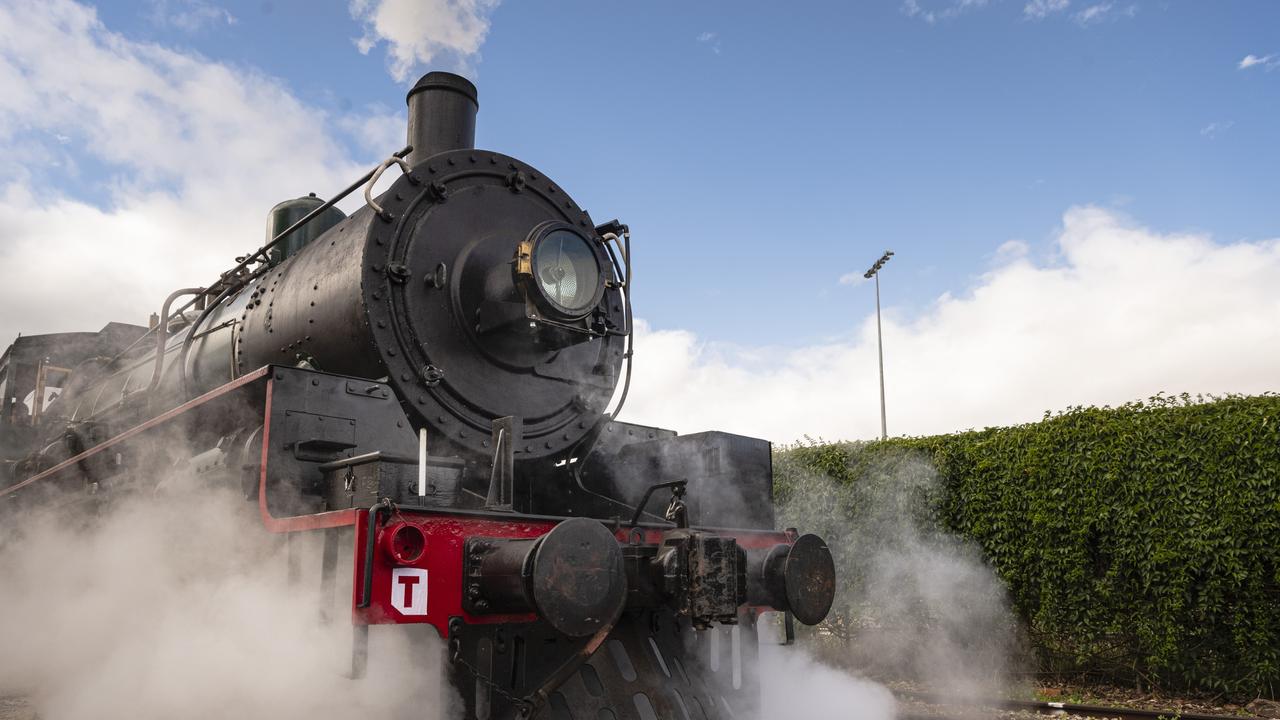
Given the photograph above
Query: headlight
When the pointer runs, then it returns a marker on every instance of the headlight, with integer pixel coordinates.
(566, 271)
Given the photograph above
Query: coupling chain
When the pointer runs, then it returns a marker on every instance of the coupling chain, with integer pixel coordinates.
(524, 705)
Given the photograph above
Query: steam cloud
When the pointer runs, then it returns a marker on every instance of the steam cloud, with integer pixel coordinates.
(180, 605)
(915, 603)
(797, 686)
(419, 33)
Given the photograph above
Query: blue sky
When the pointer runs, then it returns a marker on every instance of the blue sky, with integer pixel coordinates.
(1081, 193)
(761, 152)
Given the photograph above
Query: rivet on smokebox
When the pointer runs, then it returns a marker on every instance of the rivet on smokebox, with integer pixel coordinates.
(398, 272)
(432, 375)
(516, 180)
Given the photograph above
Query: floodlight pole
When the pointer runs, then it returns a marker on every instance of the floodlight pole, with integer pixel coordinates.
(875, 272)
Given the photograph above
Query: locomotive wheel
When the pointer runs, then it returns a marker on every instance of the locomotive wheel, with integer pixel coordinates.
(656, 667)
(653, 666)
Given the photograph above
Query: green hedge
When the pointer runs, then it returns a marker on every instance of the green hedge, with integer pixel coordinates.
(1138, 543)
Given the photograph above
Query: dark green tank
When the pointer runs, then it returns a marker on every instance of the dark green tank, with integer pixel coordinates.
(289, 212)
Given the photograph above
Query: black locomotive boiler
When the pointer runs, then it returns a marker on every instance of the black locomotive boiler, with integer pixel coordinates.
(427, 383)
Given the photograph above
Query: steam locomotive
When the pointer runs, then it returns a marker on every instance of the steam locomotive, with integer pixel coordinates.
(425, 386)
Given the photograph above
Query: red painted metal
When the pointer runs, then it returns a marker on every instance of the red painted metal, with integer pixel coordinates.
(403, 543)
(442, 560)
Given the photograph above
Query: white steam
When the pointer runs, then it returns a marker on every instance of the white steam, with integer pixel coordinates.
(796, 686)
(181, 607)
(930, 608)
(915, 604)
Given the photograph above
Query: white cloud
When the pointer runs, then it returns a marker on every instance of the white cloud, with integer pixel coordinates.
(711, 40)
(1010, 251)
(933, 11)
(853, 278)
(1212, 130)
(377, 130)
(1268, 62)
(195, 153)
(1093, 13)
(1104, 11)
(1122, 313)
(419, 33)
(1040, 9)
(189, 15)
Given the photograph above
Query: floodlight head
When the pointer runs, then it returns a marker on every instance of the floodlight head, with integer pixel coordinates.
(879, 264)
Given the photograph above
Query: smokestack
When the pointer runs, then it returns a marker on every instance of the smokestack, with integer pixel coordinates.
(442, 115)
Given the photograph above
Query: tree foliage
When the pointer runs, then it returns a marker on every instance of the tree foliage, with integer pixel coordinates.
(1138, 543)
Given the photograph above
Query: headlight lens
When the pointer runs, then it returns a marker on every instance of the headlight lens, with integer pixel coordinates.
(566, 271)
